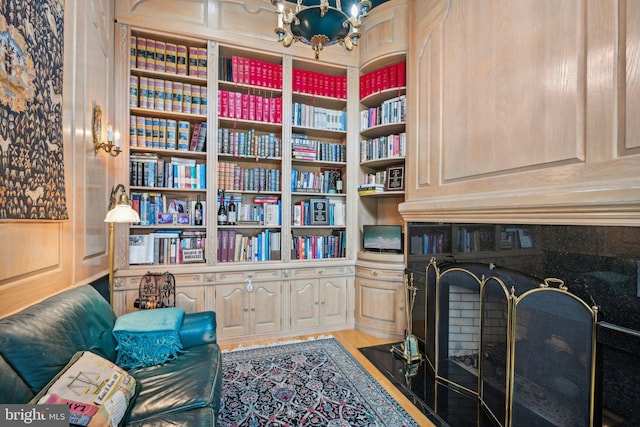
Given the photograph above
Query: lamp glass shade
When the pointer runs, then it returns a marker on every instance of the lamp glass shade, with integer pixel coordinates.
(122, 213)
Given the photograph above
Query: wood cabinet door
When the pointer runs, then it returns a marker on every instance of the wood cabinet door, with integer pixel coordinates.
(232, 310)
(265, 307)
(304, 304)
(333, 300)
(380, 305)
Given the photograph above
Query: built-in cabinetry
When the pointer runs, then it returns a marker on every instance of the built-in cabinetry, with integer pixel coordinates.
(248, 303)
(268, 143)
(318, 297)
(381, 295)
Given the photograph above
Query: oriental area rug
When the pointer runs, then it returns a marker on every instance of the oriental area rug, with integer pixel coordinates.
(309, 383)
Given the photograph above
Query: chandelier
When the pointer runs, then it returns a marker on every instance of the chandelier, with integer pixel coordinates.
(321, 23)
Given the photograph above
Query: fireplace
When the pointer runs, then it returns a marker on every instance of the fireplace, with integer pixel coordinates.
(523, 347)
(600, 267)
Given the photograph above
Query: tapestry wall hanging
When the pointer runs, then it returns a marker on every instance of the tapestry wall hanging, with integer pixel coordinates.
(31, 65)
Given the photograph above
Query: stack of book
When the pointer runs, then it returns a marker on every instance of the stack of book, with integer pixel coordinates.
(370, 189)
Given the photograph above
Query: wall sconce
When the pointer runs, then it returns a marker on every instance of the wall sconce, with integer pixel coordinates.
(119, 212)
(111, 146)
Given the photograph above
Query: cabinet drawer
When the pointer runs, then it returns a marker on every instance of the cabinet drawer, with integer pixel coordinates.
(241, 276)
(305, 273)
(379, 274)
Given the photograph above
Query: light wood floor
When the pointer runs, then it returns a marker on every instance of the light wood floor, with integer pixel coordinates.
(352, 340)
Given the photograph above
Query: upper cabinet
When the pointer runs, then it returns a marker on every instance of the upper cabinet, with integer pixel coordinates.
(523, 111)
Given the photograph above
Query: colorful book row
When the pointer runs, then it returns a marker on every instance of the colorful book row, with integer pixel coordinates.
(315, 83)
(155, 132)
(167, 95)
(234, 177)
(306, 149)
(234, 246)
(243, 106)
(313, 182)
(318, 118)
(150, 171)
(248, 143)
(167, 247)
(166, 57)
(322, 211)
(383, 147)
(390, 111)
(248, 71)
(391, 76)
(319, 247)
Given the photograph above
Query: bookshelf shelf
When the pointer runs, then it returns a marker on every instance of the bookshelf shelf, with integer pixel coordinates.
(166, 114)
(170, 76)
(167, 152)
(376, 98)
(383, 129)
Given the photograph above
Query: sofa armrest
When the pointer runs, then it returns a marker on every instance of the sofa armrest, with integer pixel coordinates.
(198, 329)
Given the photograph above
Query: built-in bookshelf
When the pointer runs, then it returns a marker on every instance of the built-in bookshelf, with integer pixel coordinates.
(318, 161)
(279, 171)
(167, 148)
(382, 142)
(249, 156)
(382, 128)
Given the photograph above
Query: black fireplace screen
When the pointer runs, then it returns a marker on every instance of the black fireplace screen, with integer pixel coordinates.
(524, 348)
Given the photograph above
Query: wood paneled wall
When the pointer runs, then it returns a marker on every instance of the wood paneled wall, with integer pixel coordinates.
(523, 111)
(38, 259)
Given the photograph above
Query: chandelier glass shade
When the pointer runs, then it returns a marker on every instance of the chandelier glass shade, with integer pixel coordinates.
(321, 23)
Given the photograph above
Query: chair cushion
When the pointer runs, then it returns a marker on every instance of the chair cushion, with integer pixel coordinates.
(149, 337)
(201, 417)
(193, 380)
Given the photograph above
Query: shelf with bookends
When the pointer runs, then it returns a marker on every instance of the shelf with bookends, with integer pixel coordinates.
(168, 161)
(318, 161)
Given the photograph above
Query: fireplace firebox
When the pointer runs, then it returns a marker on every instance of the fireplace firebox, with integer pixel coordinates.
(524, 348)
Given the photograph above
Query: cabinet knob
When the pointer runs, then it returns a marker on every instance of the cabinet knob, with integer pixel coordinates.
(245, 309)
(253, 309)
(402, 308)
(374, 273)
(322, 302)
(316, 303)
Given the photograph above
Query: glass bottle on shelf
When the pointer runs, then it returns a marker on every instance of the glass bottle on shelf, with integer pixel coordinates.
(339, 183)
(197, 220)
(222, 211)
(232, 216)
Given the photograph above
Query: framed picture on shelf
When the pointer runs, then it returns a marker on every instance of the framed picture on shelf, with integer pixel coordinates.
(395, 178)
(319, 211)
(165, 218)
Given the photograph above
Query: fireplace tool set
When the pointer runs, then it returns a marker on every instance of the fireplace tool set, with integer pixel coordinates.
(408, 349)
